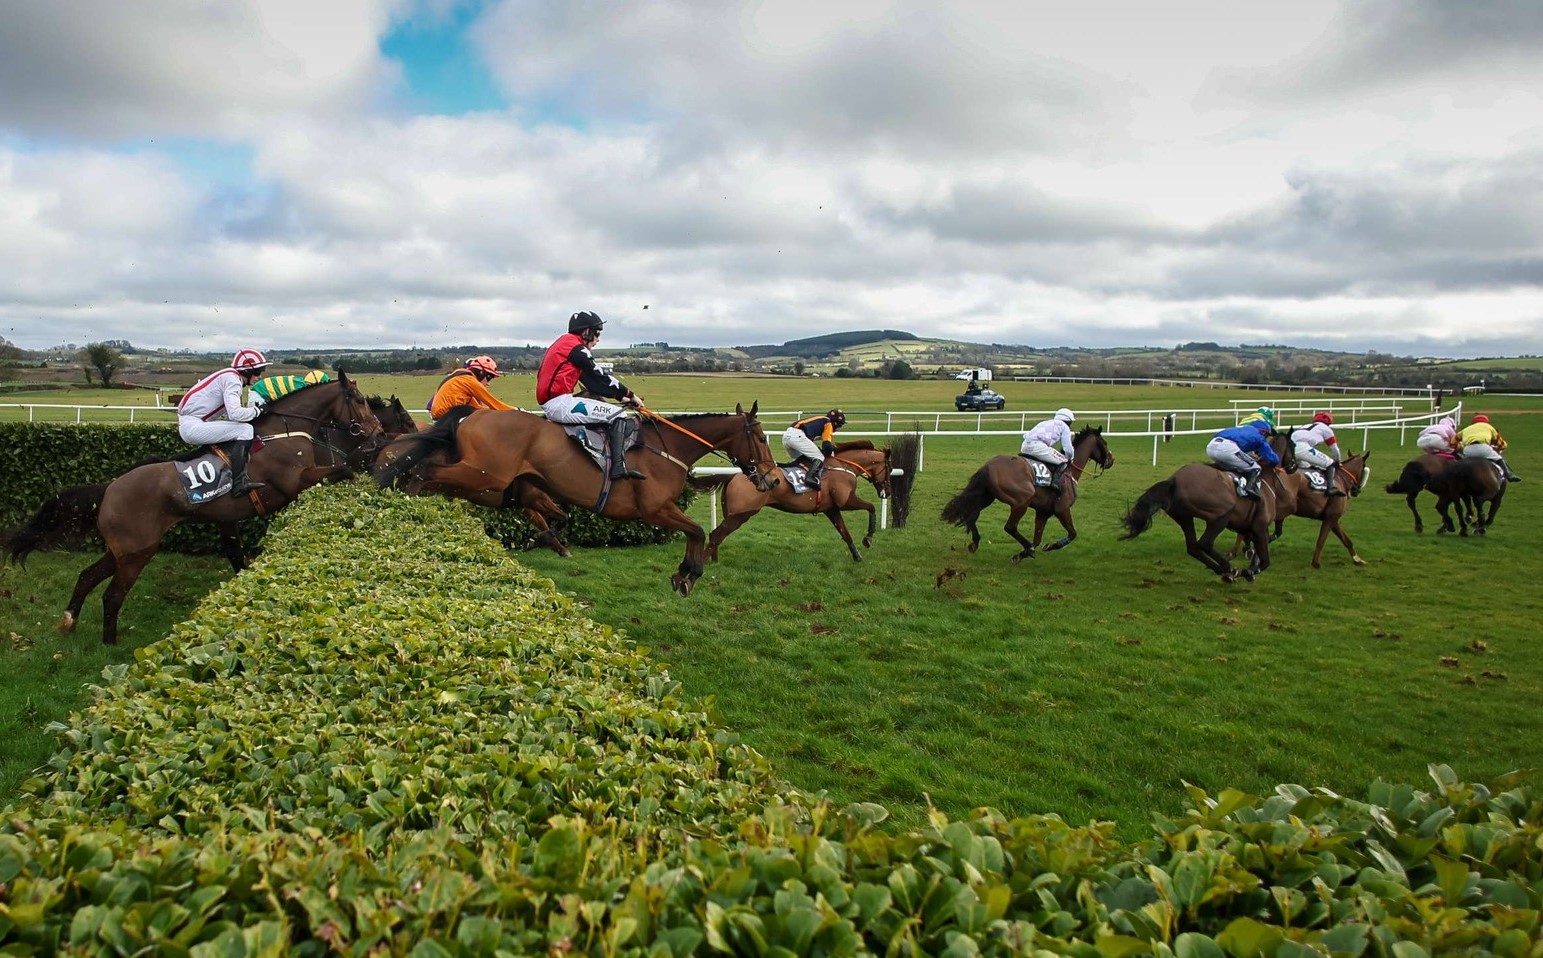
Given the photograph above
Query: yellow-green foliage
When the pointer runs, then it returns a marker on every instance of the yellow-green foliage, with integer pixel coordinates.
(387, 737)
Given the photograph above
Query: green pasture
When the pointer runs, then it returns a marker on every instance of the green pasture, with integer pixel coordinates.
(1090, 682)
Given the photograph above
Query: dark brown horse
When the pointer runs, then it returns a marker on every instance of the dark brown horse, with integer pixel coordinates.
(496, 458)
(1208, 494)
(1418, 475)
(1010, 480)
(301, 433)
(850, 462)
(1470, 483)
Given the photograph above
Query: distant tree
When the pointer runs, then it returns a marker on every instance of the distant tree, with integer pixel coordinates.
(798, 367)
(8, 349)
(102, 359)
(900, 369)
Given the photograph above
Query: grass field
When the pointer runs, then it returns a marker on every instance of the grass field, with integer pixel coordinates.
(1089, 682)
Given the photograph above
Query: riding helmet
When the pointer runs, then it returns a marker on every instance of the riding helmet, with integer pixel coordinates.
(1065, 415)
(485, 365)
(1325, 418)
(584, 319)
(836, 417)
(249, 359)
(1267, 413)
(1481, 418)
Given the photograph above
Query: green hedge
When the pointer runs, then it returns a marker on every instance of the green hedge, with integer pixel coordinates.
(386, 738)
(39, 459)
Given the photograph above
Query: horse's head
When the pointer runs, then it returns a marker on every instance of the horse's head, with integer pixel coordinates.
(753, 454)
(1358, 470)
(1090, 440)
(352, 410)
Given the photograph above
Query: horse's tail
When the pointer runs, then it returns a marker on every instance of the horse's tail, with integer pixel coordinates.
(1413, 479)
(965, 508)
(1156, 499)
(411, 449)
(904, 455)
(67, 518)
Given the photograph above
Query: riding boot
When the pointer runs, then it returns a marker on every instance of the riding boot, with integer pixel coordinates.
(1331, 481)
(1505, 468)
(238, 451)
(623, 429)
(1251, 483)
(812, 477)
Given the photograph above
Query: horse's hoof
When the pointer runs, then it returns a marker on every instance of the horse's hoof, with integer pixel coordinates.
(682, 584)
(867, 542)
(1358, 560)
(1249, 575)
(65, 625)
(1317, 565)
(974, 546)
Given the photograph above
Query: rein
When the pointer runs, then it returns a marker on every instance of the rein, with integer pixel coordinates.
(861, 471)
(649, 413)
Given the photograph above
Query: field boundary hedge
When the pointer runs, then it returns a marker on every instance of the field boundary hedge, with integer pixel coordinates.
(387, 737)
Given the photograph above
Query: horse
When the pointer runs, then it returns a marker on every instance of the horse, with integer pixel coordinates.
(1010, 479)
(1470, 483)
(857, 459)
(1208, 493)
(496, 457)
(1295, 496)
(139, 507)
(394, 418)
(1418, 475)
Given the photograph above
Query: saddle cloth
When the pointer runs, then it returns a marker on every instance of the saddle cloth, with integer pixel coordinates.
(794, 475)
(205, 476)
(1038, 470)
(1317, 479)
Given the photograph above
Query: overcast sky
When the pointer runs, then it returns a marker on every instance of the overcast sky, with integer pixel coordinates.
(297, 173)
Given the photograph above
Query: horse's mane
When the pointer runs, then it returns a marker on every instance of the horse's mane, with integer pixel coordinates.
(1086, 431)
(377, 403)
(854, 444)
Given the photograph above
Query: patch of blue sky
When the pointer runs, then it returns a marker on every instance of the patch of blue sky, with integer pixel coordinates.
(444, 72)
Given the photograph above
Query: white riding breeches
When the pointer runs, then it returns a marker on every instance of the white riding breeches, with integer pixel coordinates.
(200, 432)
(1433, 444)
(1225, 453)
(797, 444)
(1047, 454)
(1480, 450)
(573, 410)
(1311, 456)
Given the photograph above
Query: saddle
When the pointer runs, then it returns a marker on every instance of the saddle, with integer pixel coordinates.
(595, 439)
(1239, 481)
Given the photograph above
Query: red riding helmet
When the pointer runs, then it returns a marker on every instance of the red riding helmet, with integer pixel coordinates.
(1481, 418)
(1324, 418)
(249, 360)
(484, 365)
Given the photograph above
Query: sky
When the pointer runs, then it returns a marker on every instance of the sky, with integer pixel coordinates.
(396, 173)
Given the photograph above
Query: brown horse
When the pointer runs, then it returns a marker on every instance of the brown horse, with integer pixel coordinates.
(496, 458)
(1295, 496)
(1207, 493)
(1470, 483)
(1418, 475)
(308, 437)
(1010, 479)
(851, 461)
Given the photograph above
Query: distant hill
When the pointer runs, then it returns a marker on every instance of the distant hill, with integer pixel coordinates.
(831, 344)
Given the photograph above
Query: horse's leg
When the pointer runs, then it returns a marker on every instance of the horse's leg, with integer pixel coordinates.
(1442, 505)
(667, 515)
(123, 580)
(230, 545)
(89, 579)
(1344, 537)
(1040, 518)
(856, 502)
(1011, 526)
(1192, 544)
(1204, 547)
(1064, 516)
(724, 530)
(834, 515)
(1418, 525)
(1237, 546)
(1323, 536)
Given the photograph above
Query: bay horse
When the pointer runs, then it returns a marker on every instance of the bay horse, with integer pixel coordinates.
(497, 457)
(851, 461)
(1470, 483)
(1418, 475)
(139, 507)
(1011, 480)
(1207, 493)
(1295, 496)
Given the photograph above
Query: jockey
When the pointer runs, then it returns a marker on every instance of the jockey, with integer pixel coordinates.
(211, 413)
(1039, 444)
(1306, 440)
(1230, 449)
(799, 440)
(467, 386)
(1264, 413)
(1483, 441)
(569, 364)
(1439, 438)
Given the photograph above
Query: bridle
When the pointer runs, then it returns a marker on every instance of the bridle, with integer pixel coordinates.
(755, 471)
(878, 475)
(328, 424)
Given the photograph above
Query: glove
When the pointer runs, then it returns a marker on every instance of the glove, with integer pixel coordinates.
(828, 448)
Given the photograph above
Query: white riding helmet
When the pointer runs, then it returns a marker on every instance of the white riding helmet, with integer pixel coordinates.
(1065, 415)
(248, 359)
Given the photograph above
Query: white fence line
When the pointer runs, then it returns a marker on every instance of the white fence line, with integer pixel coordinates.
(1219, 384)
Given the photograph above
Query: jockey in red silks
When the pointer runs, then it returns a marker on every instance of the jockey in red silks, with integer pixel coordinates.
(569, 364)
(211, 413)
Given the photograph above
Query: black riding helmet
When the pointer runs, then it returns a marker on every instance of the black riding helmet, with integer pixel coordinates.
(584, 319)
(836, 417)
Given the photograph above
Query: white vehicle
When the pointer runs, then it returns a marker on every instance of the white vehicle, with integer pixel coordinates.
(979, 375)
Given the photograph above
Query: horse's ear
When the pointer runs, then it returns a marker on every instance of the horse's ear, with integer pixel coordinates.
(739, 409)
(755, 407)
